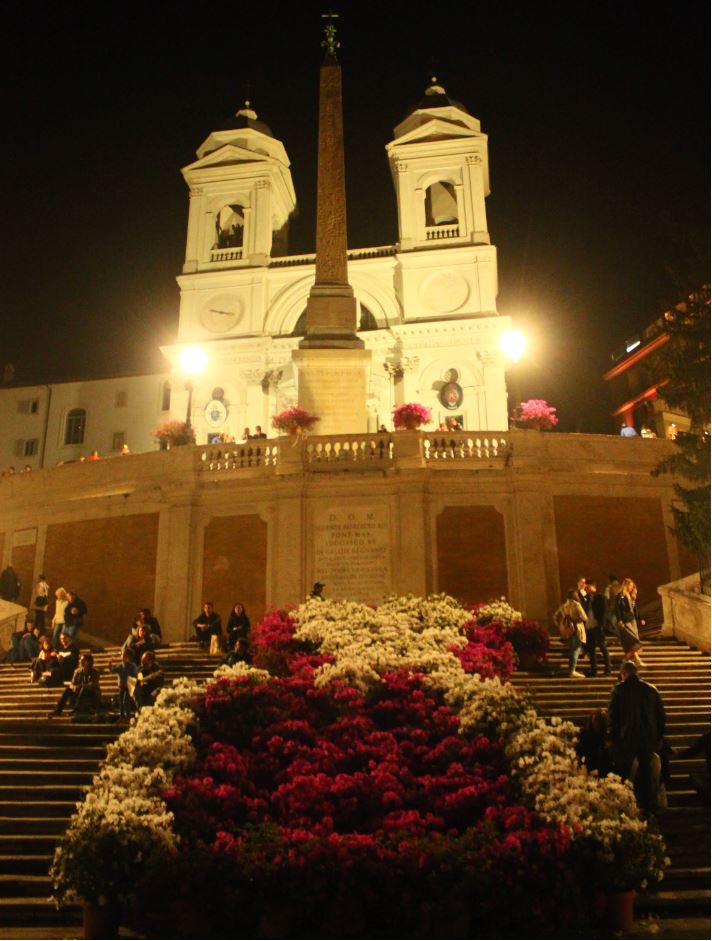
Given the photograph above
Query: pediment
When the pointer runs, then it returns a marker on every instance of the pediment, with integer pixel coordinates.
(228, 155)
(436, 129)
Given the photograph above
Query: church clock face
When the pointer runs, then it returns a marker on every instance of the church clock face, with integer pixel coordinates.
(221, 313)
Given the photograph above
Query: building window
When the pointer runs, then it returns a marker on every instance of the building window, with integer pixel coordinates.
(440, 204)
(27, 447)
(166, 397)
(229, 227)
(121, 398)
(118, 440)
(28, 406)
(76, 424)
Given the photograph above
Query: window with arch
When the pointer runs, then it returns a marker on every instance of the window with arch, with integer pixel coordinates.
(440, 204)
(75, 426)
(165, 396)
(230, 226)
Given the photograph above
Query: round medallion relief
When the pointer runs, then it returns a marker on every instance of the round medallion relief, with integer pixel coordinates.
(445, 291)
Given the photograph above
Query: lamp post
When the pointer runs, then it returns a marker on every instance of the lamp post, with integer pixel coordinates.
(192, 362)
(513, 343)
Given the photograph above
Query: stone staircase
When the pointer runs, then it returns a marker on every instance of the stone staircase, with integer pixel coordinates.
(45, 766)
(682, 675)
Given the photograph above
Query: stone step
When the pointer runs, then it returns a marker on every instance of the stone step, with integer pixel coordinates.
(34, 911)
(50, 809)
(667, 901)
(39, 826)
(33, 864)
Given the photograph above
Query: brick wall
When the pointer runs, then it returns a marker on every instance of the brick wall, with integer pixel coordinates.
(110, 563)
(472, 553)
(597, 536)
(235, 565)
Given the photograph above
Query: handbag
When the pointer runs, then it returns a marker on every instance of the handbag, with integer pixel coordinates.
(41, 601)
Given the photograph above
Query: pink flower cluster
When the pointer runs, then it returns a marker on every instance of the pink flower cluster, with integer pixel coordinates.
(537, 411)
(488, 650)
(411, 412)
(294, 417)
(297, 787)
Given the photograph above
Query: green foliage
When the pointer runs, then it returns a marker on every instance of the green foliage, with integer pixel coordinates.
(691, 462)
(685, 361)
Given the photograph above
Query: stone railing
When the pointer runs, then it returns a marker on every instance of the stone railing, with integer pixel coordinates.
(226, 254)
(227, 457)
(358, 452)
(376, 449)
(442, 232)
(465, 446)
(686, 612)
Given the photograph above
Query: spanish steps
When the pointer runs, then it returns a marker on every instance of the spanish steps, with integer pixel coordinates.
(46, 764)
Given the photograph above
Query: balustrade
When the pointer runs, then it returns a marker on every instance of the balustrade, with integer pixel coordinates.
(226, 457)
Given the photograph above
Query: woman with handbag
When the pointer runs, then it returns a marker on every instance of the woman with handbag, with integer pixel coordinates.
(570, 619)
(627, 620)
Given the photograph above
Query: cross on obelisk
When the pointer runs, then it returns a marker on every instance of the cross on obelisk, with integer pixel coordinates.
(331, 363)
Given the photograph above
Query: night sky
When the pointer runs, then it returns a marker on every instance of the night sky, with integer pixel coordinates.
(598, 124)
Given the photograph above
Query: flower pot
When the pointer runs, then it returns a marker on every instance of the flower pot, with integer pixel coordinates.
(294, 430)
(528, 659)
(101, 921)
(411, 423)
(619, 910)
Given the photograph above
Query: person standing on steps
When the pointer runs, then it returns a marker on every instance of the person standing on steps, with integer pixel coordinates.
(595, 633)
(628, 621)
(74, 614)
(636, 721)
(570, 619)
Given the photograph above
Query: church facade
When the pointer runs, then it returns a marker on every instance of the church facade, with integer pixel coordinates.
(426, 307)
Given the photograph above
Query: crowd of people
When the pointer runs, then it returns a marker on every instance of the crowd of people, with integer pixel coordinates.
(587, 616)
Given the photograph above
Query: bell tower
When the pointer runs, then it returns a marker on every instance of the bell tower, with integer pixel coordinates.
(241, 196)
(440, 168)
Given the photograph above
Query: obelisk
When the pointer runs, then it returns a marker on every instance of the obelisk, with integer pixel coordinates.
(331, 363)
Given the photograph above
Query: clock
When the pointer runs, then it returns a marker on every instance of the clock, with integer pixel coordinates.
(221, 313)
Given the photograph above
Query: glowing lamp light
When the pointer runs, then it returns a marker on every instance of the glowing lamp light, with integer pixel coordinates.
(193, 360)
(512, 343)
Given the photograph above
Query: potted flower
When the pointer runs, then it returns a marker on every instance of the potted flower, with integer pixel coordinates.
(535, 413)
(530, 641)
(294, 420)
(174, 432)
(411, 416)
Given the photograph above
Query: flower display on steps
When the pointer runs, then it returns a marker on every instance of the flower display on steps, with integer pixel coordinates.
(379, 771)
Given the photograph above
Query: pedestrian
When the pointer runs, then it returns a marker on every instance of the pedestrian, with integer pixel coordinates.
(636, 721)
(124, 670)
(57, 623)
(238, 625)
(595, 634)
(149, 680)
(609, 593)
(74, 614)
(570, 619)
(10, 584)
(41, 601)
(628, 619)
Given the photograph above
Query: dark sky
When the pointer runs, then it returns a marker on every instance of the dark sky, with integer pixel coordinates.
(597, 113)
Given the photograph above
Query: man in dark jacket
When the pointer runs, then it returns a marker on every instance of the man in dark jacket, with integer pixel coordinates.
(10, 584)
(84, 692)
(207, 624)
(636, 720)
(74, 614)
(595, 628)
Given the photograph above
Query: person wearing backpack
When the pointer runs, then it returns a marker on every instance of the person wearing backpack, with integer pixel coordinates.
(570, 619)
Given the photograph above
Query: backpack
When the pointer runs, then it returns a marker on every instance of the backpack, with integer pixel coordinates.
(567, 627)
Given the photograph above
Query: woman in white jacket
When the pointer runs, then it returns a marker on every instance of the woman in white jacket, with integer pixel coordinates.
(570, 619)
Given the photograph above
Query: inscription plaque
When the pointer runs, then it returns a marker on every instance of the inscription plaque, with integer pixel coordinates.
(351, 552)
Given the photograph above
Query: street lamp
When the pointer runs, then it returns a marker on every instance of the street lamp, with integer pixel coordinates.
(513, 343)
(192, 362)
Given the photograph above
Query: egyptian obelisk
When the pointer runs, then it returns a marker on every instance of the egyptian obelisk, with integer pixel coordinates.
(331, 363)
